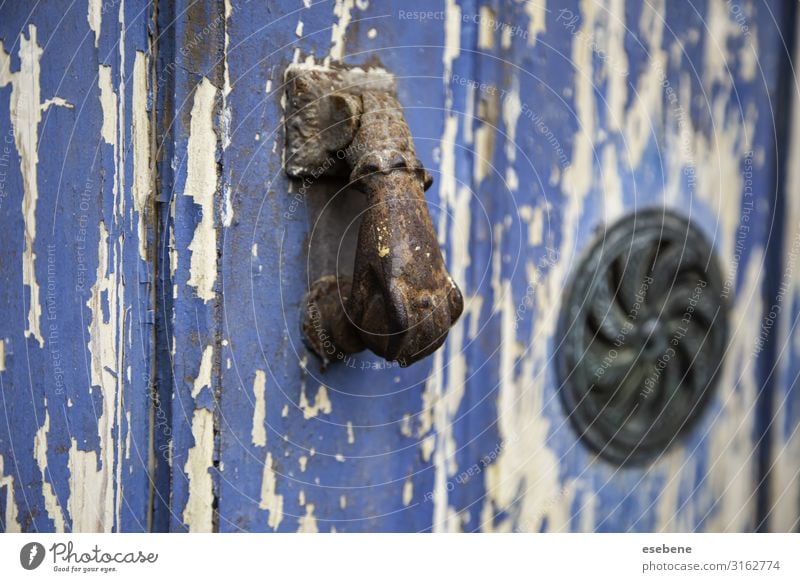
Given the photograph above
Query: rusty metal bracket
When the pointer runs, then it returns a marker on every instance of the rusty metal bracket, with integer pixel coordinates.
(401, 300)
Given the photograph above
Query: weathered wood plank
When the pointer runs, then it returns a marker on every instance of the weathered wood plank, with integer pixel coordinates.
(77, 342)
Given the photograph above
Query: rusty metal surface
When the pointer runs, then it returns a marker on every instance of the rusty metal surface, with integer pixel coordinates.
(402, 301)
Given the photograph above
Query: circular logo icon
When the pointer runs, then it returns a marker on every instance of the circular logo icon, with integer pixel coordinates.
(31, 555)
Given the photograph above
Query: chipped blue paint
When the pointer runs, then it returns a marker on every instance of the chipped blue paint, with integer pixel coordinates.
(526, 123)
(83, 183)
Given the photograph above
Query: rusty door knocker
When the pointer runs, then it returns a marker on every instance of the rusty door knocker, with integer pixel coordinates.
(401, 300)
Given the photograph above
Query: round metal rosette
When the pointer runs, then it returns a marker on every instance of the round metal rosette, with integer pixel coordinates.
(641, 336)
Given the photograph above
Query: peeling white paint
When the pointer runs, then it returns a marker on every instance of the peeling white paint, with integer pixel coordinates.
(94, 17)
(408, 492)
(26, 109)
(526, 472)
(473, 312)
(105, 346)
(128, 439)
(271, 501)
(201, 184)
(526, 469)
(51, 504)
(258, 434)
(537, 11)
(108, 104)
(342, 9)
(405, 426)
(226, 83)
(616, 66)
(143, 178)
(718, 60)
(452, 36)
(11, 518)
(88, 504)
(322, 403)
(668, 500)
(351, 437)
(120, 151)
(646, 109)
(613, 205)
(227, 209)
(427, 446)
(484, 136)
(203, 379)
(534, 217)
(439, 402)
(308, 522)
(732, 451)
(512, 108)
(198, 513)
(486, 28)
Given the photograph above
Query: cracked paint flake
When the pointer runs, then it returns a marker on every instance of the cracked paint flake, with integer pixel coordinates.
(525, 474)
(408, 492)
(225, 121)
(11, 517)
(537, 12)
(88, 492)
(452, 36)
(485, 136)
(308, 522)
(649, 93)
(270, 500)
(512, 109)
(342, 9)
(51, 503)
(26, 109)
(106, 336)
(616, 66)
(322, 403)
(201, 184)
(486, 28)
(258, 433)
(198, 513)
(439, 402)
(108, 103)
(94, 17)
(142, 172)
(203, 379)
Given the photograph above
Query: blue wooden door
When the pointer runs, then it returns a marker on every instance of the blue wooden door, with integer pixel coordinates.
(155, 259)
